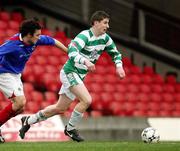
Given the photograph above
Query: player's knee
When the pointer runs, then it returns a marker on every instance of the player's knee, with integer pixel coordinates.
(87, 101)
(19, 103)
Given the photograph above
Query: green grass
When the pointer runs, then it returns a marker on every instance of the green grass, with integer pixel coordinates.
(89, 146)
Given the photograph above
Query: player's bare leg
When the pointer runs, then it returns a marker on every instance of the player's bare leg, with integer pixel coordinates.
(58, 108)
(82, 94)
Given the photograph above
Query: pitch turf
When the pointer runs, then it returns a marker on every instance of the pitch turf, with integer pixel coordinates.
(89, 146)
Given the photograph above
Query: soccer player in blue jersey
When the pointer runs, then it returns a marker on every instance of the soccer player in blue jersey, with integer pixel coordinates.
(14, 54)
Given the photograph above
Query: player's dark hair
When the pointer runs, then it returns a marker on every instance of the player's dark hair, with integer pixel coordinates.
(98, 16)
(29, 27)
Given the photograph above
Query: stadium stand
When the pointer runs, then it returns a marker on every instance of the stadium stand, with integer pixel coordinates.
(142, 93)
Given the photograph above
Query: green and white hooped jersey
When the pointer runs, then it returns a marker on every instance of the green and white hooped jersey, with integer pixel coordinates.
(87, 46)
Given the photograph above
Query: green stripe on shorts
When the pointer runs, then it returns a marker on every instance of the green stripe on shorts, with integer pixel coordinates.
(71, 78)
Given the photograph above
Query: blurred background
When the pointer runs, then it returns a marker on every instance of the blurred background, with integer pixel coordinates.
(146, 32)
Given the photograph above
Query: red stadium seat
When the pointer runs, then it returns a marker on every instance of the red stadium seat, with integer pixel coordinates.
(54, 86)
(143, 97)
(165, 113)
(148, 70)
(3, 25)
(44, 104)
(52, 60)
(28, 75)
(108, 88)
(37, 97)
(131, 97)
(106, 98)
(135, 78)
(168, 97)
(111, 78)
(177, 87)
(38, 71)
(96, 78)
(177, 106)
(97, 105)
(176, 113)
(169, 88)
(41, 60)
(60, 34)
(120, 88)
(95, 96)
(132, 88)
(63, 59)
(146, 78)
(127, 62)
(167, 106)
(129, 108)
(13, 25)
(17, 16)
(152, 113)
(44, 51)
(119, 97)
(94, 87)
(48, 32)
(5, 16)
(111, 69)
(116, 108)
(155, 97)
(135, 69)
(141, 106)
(10, 32)
(101, 70)
(171, 79)
(50, 97)
(154, 106)
(51, 69)
(2, 34)
(32, 107)
(145, 88)
(177, 97)
(103, 61)
(28, 87)
(157, 88)
(67, 41)
(127, 70)
(158, 79)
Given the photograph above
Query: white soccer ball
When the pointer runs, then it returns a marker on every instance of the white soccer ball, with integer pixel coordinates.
(150, 135)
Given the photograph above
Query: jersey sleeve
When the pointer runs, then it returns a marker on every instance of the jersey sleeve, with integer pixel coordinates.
(75, 47)
(8, 47)
(113, 52)
(45, 40)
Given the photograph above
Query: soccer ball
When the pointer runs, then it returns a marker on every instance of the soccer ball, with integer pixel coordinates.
(150, 135)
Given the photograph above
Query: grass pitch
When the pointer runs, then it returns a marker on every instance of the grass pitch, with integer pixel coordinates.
(89, 146)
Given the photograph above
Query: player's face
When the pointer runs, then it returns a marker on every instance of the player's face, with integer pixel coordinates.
(32, 39)
(102, 26)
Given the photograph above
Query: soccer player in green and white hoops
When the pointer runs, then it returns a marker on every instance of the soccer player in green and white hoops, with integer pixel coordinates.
(83, 53)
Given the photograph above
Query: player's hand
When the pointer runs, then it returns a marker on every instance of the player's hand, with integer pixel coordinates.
(120, 72)
(89, 65)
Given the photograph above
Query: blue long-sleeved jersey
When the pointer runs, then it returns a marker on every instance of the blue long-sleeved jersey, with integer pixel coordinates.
(14, 53)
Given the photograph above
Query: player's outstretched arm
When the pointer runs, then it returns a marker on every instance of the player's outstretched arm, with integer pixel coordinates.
(60, 45)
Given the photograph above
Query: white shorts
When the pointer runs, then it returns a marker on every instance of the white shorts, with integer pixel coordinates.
(69, 80)
(11, 85)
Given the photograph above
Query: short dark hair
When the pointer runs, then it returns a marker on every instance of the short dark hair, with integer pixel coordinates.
(29, 27)
(98, 16)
